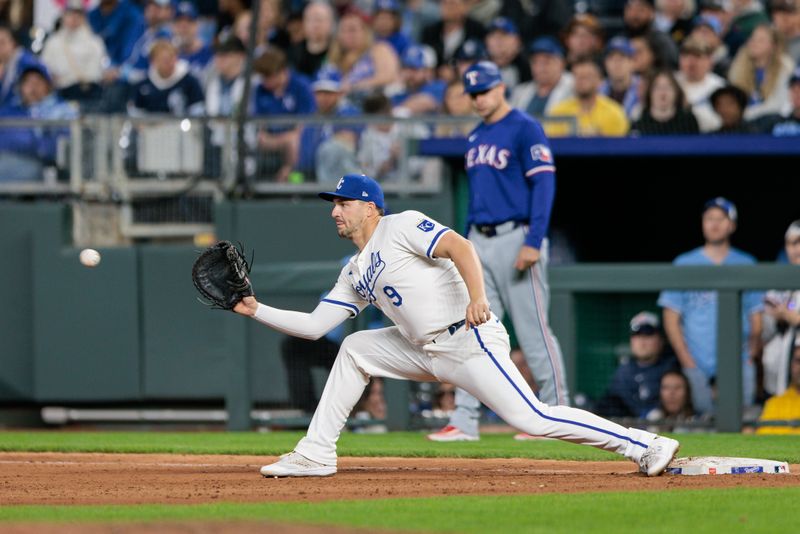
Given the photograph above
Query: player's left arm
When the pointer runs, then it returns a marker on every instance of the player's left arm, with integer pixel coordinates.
(462, 253)
(539, 168)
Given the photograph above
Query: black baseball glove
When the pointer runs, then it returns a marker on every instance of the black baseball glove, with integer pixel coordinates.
(220, 275)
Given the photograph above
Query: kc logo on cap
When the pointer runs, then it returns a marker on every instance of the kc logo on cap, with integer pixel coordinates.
(356, 187)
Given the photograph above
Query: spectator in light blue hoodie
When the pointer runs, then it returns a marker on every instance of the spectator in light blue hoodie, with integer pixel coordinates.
(25, 151)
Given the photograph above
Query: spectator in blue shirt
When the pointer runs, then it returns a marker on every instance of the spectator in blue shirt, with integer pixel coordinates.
(14, 60)
(119, 23)
(281, 91)
(158, 16)
(191, 47)
(387, 21)
(422, 93)
(330, 102)
(634, 388)
(169, 86)
(690, 317)
(25, 151)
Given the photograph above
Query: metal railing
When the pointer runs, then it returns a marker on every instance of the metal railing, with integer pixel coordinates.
(160, 175)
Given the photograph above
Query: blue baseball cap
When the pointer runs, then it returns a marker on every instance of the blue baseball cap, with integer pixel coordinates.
(502, 24)
(38, 68)
(419, 57)
(481, 76)
(471, 50)
(327, 79)
(186, 10)
(620, 44)
(725, 205)
(387, 5)
(709, 21)
(546, 45)
(356, 187)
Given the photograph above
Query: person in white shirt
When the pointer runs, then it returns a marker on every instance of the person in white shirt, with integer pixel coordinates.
(698, 81)
(428, 281)
(75, 56)
(551, 84)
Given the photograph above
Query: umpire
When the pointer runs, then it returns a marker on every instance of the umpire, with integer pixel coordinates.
(512, 186)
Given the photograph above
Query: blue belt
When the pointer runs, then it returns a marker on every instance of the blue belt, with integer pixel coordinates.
(455, 326)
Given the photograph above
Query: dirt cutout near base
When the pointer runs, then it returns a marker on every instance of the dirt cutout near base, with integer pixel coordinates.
(107, 479)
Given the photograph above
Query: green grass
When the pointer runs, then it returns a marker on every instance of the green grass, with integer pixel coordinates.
(731, 510)
(404, 444)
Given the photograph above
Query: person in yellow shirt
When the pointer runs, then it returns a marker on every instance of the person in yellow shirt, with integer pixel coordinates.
(786, 406)
(595, 113)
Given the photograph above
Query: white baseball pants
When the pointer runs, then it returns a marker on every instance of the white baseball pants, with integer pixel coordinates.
(476, 360)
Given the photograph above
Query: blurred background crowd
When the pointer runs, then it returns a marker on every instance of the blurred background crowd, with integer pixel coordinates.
(612, 67)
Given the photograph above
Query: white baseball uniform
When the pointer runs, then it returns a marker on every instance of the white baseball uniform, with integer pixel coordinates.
(426, 298)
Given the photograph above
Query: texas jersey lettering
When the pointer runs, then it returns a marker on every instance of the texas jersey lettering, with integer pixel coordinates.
(488, 155)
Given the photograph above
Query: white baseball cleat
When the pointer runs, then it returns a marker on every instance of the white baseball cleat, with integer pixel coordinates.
(658, 455)
(295, 464)
(452, 433)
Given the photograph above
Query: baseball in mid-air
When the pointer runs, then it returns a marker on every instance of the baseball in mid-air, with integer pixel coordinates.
(90, 257)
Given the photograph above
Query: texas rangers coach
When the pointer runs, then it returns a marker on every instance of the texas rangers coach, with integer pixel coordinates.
(512, 186)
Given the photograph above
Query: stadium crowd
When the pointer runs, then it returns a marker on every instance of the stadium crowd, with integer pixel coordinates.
(655, 67)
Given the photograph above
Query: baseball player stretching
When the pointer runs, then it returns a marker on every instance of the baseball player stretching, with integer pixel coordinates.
(429, 282)
(512, 185)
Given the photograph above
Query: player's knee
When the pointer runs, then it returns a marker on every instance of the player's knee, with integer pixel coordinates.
(353, 345)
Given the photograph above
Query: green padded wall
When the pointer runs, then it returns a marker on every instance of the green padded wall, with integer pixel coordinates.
(86, 326)
(17, 225)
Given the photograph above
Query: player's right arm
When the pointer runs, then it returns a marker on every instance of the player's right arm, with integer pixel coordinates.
(462, 253)
(672, 326)
(312, 325)
(339, 304)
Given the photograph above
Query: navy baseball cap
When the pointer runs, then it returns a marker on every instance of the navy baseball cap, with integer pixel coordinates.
(356, 187)
(471, 50)
(186, 10)
(481, 77)
(419, 57)
(546, 45)
(502, 24)
(327, 79)
(725, 205)
(795, 77)
(620, 44)
(645, 323)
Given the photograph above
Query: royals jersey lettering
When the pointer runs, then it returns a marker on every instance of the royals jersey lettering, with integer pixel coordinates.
(511, 174)
(397, 272)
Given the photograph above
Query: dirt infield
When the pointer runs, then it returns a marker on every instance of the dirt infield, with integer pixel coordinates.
(49, 479)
